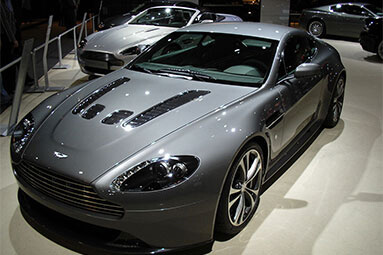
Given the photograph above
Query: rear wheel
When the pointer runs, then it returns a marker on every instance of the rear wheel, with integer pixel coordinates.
(380, 50)
(240, 195)
(335, 109)
(317, 28)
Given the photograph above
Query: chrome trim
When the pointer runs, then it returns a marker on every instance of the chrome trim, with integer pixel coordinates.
(65, 190)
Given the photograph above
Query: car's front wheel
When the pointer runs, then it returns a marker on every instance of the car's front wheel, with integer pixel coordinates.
(336, 106)
(240, 196)
(317, 28)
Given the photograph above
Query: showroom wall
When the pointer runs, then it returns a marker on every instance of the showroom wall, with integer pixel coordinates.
(276, 11)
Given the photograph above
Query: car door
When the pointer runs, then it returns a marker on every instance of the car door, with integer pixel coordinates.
(300, 96)
(355, 16)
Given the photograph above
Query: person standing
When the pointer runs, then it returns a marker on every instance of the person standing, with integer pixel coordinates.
(9, 44)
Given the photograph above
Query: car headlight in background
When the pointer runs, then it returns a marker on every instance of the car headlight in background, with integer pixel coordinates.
(22, 133)
(136, 50)
(156, 174)
(82, 43)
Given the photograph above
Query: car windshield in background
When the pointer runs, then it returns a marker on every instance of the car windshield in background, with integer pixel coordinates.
(374, 9)
(168, 17)
(214, 57)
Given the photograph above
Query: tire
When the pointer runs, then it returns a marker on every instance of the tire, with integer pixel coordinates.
(317, 28)
(336, 105)
(239, 202)
(380, 50)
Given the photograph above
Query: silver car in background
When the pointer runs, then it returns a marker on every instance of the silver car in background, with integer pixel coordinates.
(343, 19)
(109, 50)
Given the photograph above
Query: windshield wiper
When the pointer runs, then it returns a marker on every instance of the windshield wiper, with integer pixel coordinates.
(140, 68)
(194, 74)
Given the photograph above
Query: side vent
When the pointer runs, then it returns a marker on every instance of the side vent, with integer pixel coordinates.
(116, 117)
(98, 93)
(165, 107)
(93, 111)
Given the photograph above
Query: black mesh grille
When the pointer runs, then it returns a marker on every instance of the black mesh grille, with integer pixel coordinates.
(165, 106)
(66, 190)
(97, 56)
(92, 111)
(98, 93)
(116, 117)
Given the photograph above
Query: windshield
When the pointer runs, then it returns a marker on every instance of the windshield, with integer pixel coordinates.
(215, 57)
(168, 17)
(374, 9)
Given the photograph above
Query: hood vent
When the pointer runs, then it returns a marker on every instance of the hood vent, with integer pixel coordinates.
(98, 93)
(116, 117)
(93, 111)
(165, 107)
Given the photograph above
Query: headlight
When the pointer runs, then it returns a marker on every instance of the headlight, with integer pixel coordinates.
(22, 133)
(156, 174)
(136, 50)
(82, 43)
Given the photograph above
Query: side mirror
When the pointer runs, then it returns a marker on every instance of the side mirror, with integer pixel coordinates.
(307, 70)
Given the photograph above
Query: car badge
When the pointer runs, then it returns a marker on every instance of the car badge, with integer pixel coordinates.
(60, 155)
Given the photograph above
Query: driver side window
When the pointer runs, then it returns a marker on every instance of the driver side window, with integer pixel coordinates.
(297, 50)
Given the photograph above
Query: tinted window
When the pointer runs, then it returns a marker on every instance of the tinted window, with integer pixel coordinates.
(168, 17)
(298, 50)
(349, 9)
(224, 58)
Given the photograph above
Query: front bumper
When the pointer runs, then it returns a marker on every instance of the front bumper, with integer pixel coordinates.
(89, 239)
(159, 230)
(99, 63)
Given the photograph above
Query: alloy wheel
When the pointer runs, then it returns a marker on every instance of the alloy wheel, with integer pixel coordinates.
(338, 99)
(316, 28)
(380, 50)
(245, 186)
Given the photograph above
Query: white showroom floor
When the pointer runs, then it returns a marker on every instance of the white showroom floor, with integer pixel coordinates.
(330, 201)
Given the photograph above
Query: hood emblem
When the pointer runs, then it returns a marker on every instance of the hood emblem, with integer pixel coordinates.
(60, 155)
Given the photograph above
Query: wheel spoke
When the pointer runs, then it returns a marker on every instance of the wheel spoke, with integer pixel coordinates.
(242, 217)
(243, 168)
(340, 89)
(252, 191)
(234, 191)
(239, 209)
(234, 200)
(252, 201)
(254, 170)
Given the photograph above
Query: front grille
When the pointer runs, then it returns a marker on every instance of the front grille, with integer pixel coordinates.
(66, 190)
(93, 55)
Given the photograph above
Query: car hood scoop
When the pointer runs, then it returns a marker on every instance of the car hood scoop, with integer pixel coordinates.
(135, 115)
(164, 107)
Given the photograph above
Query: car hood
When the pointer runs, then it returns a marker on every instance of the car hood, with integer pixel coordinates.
(121, 37)
(87, 147)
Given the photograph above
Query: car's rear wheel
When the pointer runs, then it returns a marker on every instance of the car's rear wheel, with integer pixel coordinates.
(317, 28)
(380, 50)
(240, 196)
(335, 109)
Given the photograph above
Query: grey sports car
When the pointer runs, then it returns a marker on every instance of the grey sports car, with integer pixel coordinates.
(161, 154)
(109, 50)
(343, 19)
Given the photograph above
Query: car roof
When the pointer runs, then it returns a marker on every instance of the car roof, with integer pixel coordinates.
(263, 30)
